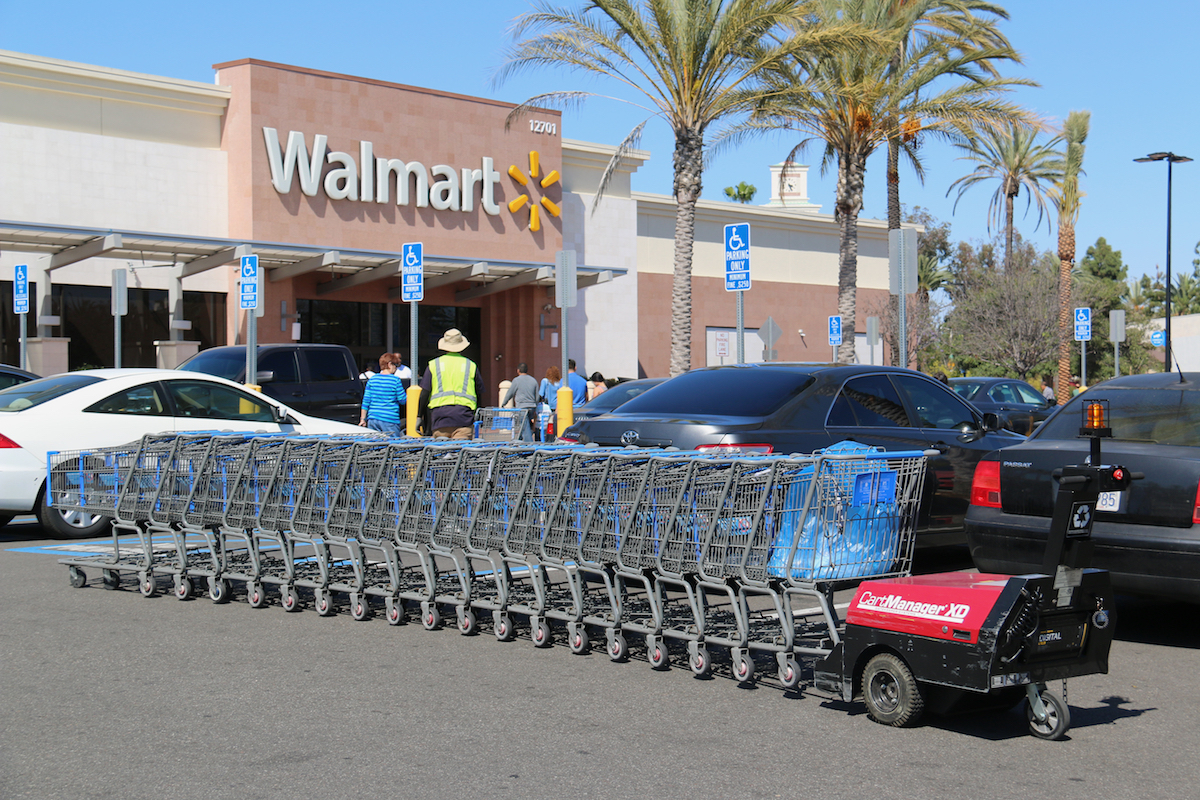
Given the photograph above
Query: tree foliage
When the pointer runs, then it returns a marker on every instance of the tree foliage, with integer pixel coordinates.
(742, 193)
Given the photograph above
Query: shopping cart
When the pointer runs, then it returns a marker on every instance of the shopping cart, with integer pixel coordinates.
(502, 424)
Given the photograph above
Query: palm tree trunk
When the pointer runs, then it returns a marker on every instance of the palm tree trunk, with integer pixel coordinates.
(689, 165)
(1066, 260)
(851, 169)
(1008, 229)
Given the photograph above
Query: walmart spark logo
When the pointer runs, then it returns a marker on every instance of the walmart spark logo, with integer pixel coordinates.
(519, 202)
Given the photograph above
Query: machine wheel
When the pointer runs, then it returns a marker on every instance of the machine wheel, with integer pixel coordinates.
(185, 587)
(78, 577)
(468, 623)
(360, 609)
(1058, 718)
(618, 648)
(256, 596)
(323, 602)
(891, 692)
(658, 655)
(579, 640)
(431, 618)
(112, 579)
(700, 661)
(395, 611)
(789, 675)
(290, 599)
(541, 634)
(743, 669)
(219, 590)
(504, 628)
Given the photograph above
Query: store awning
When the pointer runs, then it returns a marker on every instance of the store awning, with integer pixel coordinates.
(346, 269)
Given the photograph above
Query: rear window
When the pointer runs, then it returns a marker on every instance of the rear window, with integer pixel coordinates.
(228, 364)
(617, 395)
(965, 388)
(1163, 416)
(739, 392)
(34, 393)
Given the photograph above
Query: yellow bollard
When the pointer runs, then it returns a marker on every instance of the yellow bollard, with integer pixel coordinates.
(566, 410)
(244, 405)
(411, 407)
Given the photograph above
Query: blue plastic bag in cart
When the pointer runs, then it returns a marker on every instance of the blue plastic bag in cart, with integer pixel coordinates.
(851, 530)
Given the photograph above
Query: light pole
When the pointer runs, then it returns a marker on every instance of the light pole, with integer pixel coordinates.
(1170, 158)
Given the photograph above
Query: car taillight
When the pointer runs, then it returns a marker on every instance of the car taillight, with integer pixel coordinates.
(985, 488)
(7, 443)
(568, 438)
(735, 449)
(1196, 507)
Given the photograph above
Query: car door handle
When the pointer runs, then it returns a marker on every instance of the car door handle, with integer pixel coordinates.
(297, 394)
(941, 447)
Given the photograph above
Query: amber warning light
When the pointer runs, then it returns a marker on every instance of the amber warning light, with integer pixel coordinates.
(1095, 419)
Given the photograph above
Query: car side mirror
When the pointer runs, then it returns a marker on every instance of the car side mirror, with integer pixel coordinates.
(281, 416)
(991, 422)
(264, 376)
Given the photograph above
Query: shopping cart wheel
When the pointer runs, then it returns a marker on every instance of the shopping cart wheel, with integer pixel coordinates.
(468, 623)
(656, 651)
(323, 602)
(431, 618)
(219, 590)
(618, 648)
(395, 611)
(892, 694)
(360, 609)
(541, 634)
(185, 587)
(256, 596)
(78, 577)
(789, 674)
(112, 579)
(290, 599)
(1057, 721)
(147, 585)
(578, 639)
(700, 661)
(504, 628)
(743, 668)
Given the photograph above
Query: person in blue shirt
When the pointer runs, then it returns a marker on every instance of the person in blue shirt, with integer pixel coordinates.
(385, 395)
(548, 389)
(577, 383)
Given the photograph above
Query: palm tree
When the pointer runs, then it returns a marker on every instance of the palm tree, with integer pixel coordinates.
(1015, 158)
(851, 99)
(1067, 197)
(742, 193)
(693, 62)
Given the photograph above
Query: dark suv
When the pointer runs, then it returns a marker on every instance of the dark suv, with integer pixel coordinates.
(320, 380)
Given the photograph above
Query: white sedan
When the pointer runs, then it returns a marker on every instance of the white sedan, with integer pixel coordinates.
(106, 407)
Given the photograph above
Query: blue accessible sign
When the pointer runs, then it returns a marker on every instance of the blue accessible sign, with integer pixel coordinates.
(412, 272)
(737, 257)
(249, 293)
(1158, 339)
(21, 289)
(835, 331)
(1083, 324)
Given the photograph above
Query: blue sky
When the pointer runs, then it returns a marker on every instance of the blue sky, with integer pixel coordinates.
(1133, 72)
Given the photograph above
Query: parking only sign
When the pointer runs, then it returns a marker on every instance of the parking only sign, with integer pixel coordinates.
(737, 257)
(412, 272)
(21, 289)
(835, 331)
(1083, 324)
(249, 294)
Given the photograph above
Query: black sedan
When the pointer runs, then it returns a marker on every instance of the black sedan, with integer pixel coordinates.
(799, 408)
(1148, 535)
(1019, 406)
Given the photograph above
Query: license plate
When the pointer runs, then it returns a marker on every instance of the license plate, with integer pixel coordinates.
(1110, 502)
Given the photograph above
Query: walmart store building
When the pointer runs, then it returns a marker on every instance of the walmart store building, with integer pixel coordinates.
(325, 177)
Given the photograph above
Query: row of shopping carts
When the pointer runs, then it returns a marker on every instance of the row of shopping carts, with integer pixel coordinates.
(742, 553)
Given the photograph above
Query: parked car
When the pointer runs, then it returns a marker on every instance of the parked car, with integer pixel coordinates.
(11, 376)
(1147, 536)
(614, 397)
(799, 408)
(320, 380)
(1020, 406)
(104, 407)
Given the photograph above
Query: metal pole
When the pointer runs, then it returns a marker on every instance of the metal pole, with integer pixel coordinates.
(251, 347)
(741, 328)
(903, 308)
(1116, 359)
(1083, 363)
(565, 357)
(412, 346)
(117, 341)
(1167, 352)
(24, 347)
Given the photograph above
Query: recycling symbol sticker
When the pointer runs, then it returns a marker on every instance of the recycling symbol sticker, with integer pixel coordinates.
(1081, 519)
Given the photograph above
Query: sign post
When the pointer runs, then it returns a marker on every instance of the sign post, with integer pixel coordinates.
(902, 268)
(120, 307)
(250, 301)
(566, 295)
(835, 334)
(1083, 335)
(872, 336)
(21, 307)
(412, 291)
(769, 333)
(1116, 335)
(737, 276)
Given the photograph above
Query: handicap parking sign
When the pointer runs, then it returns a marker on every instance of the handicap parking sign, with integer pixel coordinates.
(1083, 324)
(412, 272)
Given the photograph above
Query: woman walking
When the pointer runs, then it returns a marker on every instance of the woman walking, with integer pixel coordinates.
(383, 398)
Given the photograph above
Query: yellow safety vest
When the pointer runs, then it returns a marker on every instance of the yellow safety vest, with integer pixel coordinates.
(453, 382)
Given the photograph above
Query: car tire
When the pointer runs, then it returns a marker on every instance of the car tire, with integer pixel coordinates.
(71, 524)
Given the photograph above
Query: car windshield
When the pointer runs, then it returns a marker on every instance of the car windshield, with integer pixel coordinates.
(737, 392)
(1160, 415)
(965, 388)
(228, 364)
(34, 393)
(617, 395)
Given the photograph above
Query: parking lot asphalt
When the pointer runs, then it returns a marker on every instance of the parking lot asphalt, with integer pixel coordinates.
(109, 694)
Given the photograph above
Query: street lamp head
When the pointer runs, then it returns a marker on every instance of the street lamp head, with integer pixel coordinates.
(1174, 159)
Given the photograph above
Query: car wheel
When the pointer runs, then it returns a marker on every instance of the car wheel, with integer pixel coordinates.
(62, 524)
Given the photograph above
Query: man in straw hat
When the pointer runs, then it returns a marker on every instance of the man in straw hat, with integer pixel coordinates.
(452, 385)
